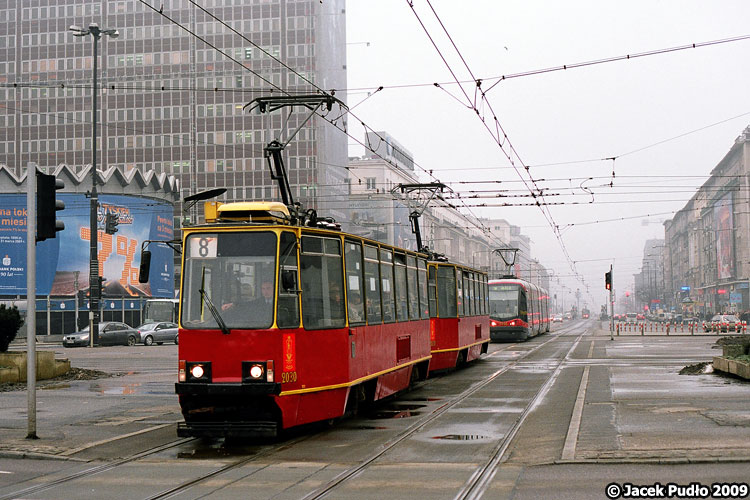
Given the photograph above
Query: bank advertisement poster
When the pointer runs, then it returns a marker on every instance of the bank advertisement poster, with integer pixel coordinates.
(63, 262)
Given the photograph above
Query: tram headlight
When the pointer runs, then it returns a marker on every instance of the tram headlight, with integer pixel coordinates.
(256, 371)
(198, 372)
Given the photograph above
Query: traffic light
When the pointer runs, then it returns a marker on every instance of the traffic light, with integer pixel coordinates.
(608, 280)
(110, 226)
(47, 206)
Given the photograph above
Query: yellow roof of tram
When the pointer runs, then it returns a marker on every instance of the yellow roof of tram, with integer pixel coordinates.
(247, 211)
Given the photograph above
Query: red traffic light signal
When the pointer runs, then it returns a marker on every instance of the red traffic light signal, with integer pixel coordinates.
(608, 280)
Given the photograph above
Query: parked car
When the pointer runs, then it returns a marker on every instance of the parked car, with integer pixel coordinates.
(557, 318)
(110, 333)
(722, 322)
(150, 333)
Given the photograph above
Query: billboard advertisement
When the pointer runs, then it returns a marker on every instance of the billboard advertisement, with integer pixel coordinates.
(724, 228)
(63, 262)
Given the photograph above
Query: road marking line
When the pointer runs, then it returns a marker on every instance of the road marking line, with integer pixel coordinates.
(571, 440)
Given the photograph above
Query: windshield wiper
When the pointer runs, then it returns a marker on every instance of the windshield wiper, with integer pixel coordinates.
(211, 306)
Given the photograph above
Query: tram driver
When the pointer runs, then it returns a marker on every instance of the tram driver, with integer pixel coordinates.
(255, 313)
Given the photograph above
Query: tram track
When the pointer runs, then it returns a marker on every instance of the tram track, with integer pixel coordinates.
(344, 476)
(481, 475)
(98, 469)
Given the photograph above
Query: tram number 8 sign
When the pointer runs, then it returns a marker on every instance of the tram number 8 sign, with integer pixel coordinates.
(203, 247)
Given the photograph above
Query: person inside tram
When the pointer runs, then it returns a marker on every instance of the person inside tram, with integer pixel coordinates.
(259, 310)
(355, 308)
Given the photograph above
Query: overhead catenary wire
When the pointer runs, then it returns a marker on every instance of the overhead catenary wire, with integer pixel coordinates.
(333, 122)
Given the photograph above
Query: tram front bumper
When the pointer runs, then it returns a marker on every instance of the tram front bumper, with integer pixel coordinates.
(233, 388)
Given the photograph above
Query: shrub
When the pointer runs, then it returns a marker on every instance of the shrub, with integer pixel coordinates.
(10, 322)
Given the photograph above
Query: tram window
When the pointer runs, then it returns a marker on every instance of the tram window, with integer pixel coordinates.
(475, 285)
(322, 283)
(354, 289)
(402, 309)
(461, 294)
(287, 313)
(447, 292)
(386, 278)
(412, 285)
(480, 285)
(523, 306)
(236, 272)
(372, 286)
(432, 291)
(424, 310)
(467, 293)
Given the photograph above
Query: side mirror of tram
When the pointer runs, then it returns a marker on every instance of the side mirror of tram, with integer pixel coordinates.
(145, 267)
(289, 280)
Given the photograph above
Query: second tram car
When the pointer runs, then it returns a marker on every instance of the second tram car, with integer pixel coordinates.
(518, 309)
(459, 324)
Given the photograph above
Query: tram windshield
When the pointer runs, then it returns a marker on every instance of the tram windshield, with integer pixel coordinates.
(504, 301)
(236, 273)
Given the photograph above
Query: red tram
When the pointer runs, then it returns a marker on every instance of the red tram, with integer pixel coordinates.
(518, 309)
(283, 325)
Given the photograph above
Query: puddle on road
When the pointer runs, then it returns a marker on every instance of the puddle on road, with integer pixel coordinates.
(396, 411)
(462, 437)
(55, 387)
(212, 453)
(120, 390)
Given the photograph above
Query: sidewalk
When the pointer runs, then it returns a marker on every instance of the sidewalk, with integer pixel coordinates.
(73, 416)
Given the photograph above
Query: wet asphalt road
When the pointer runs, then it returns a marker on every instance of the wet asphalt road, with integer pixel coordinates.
(567, 414)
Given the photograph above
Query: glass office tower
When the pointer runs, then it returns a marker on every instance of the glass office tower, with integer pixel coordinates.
(170, 101)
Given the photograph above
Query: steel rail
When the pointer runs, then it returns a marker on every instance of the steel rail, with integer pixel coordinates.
(417, 426)
(93, 470)
(478, 483)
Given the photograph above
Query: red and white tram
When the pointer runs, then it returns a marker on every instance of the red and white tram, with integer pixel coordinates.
(518, 309)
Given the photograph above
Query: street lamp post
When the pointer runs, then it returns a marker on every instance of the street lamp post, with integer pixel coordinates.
(94, 282)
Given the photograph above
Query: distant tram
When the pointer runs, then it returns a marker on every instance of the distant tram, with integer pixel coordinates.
(518, 310)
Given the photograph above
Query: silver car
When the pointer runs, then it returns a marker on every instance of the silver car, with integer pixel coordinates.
(159, 333)
(110, 333)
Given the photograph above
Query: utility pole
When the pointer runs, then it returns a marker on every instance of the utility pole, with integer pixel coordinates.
(94, 281)
(611, 303)
(31, 299)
